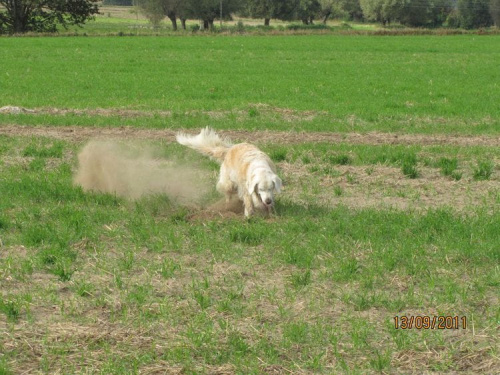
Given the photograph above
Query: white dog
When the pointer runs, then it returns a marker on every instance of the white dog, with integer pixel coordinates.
(245, 170)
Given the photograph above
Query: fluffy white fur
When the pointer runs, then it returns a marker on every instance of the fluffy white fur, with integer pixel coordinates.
(245, 170)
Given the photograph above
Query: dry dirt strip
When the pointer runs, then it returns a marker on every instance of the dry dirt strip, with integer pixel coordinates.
(79, 134)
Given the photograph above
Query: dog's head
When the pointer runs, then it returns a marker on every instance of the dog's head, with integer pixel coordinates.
(264, 184)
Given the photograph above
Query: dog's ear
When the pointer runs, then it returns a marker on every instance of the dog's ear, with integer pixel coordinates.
(252, 184)
(277, 183)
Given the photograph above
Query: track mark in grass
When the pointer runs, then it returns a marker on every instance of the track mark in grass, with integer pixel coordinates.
(483, 170)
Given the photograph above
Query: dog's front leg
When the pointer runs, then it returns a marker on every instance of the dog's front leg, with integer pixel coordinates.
(247, 202)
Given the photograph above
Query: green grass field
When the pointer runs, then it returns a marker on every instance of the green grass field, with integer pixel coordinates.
(389, 152)
(336, 83)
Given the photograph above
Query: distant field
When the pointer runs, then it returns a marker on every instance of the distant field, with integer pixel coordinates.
(116, 19)
(389, 151)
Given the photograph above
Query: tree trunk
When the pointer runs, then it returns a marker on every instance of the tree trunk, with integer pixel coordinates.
(305, 21)
(173, 19)
(211, 24)
(327, 15)
(205, 24)
(18, 17)
(183, 23)
(266, 21)
(311, 20)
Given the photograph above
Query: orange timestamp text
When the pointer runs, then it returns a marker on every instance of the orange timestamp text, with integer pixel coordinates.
(430, 322)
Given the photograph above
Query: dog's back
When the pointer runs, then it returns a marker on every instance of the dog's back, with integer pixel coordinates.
(243, 156)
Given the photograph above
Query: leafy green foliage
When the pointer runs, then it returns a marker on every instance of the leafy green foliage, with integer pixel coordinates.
(474, 13)
(415, 13)
(20, 16)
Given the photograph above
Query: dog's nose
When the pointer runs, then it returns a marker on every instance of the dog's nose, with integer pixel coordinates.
(269, 201)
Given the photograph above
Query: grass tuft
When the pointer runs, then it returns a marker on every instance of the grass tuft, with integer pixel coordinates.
(409, 165)
(11, 309)
(448, 166)
(301, 279)
(483, 171)
(278, 155)
(339, 159)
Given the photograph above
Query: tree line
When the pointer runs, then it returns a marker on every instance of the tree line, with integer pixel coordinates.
(467, 14)
(17, 16)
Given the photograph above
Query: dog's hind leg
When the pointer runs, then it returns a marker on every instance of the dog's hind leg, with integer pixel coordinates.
(226, 187)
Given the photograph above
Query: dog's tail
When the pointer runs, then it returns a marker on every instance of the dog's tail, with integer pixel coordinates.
(207, 143)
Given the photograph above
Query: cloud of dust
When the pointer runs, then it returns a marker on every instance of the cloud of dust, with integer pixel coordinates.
(131, 171)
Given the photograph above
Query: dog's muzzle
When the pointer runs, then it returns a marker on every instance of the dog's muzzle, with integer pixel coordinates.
(268, 203)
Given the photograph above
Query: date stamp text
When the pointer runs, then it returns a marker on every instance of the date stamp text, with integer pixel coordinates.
(430, 322)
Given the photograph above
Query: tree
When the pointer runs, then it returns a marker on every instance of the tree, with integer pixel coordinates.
(156, 10)
(266, 9)
(495, 12)
(352, 8)
(307, 10)
(414, 13)
(474, 13)
(20, 16)
(208, 10)
(373, 10)
(330, 8)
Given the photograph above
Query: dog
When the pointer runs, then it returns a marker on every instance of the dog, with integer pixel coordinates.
(245, 170)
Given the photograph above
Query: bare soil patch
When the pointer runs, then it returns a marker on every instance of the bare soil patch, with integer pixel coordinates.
(81, 134)
(383, 186)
